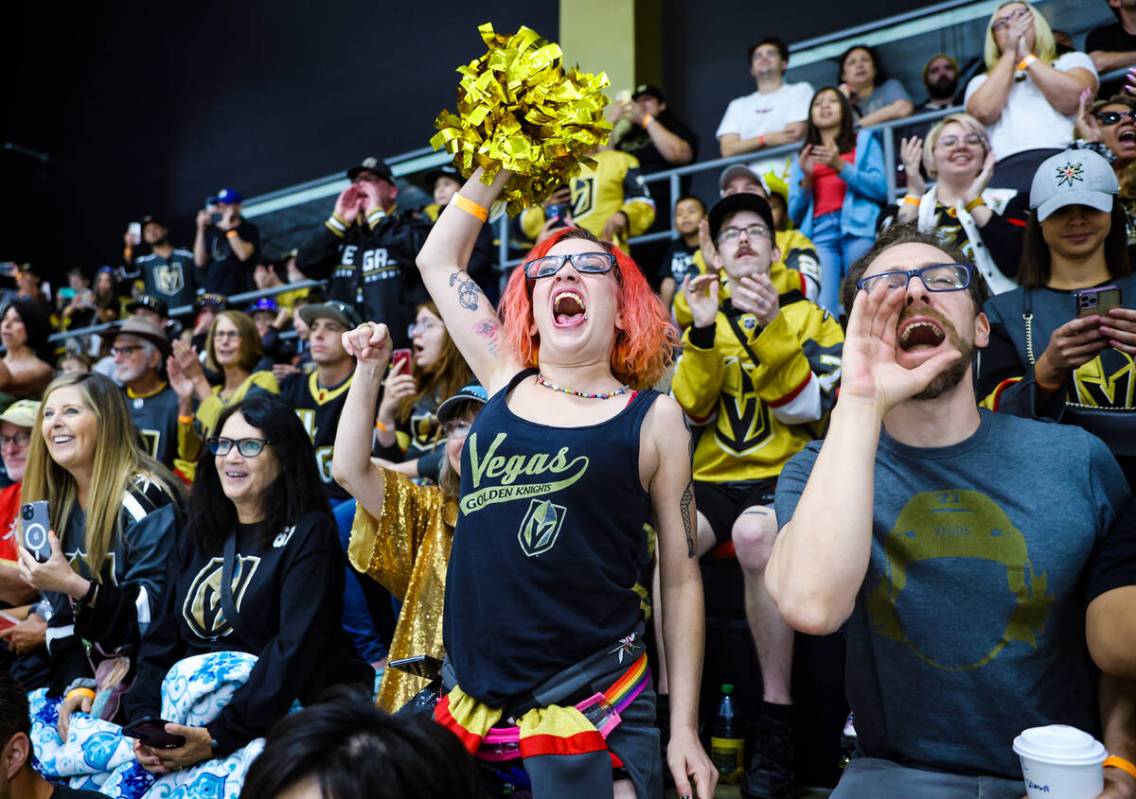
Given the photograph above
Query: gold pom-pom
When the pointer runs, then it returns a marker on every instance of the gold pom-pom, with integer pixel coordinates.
(520, 109)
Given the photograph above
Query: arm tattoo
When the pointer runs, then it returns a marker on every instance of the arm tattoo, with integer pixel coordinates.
(488, 330)
(684, 505)
(468, 291)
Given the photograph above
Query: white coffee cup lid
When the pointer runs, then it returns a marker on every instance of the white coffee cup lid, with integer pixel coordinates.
(1060, 744)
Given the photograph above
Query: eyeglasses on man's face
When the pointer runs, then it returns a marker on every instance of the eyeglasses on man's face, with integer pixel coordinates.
(752, 232)
(21, 439)
(126, 350)
(248, 447)
(935, 277)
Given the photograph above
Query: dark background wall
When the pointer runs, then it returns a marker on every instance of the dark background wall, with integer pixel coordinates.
(151, 107)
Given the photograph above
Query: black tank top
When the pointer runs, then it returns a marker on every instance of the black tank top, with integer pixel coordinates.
(548, 547)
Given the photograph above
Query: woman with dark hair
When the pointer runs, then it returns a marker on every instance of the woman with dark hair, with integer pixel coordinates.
(835, 189)
(107, 301)
(232, 349)
(874, 97)
(1058, 349)
(25, 369)
(259, 571)
(343, 749)
(408, 431)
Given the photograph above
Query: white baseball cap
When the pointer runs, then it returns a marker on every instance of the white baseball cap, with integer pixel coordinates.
(1073, 177)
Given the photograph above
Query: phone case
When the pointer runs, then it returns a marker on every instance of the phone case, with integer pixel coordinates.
(35, 522)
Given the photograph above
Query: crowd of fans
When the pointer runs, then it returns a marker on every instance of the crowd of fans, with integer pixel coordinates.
(250, 508)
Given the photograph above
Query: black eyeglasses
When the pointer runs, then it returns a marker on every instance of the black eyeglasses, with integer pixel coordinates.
(586, 263)
(126, 351)
(248, 447)
(19, 439)
(936, 277)
(1111, 118)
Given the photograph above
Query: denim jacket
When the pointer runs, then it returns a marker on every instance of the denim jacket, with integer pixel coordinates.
(867, 190)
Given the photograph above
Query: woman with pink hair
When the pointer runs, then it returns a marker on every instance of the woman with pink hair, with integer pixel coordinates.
(563, 468)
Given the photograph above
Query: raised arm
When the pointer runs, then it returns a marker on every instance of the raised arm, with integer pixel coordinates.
(1062, 89)
(351, 460)
(470, 319)
(817, 596)
(987, 101)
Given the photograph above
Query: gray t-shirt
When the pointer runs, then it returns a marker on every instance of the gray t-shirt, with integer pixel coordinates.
(969, 626)
(885, 94)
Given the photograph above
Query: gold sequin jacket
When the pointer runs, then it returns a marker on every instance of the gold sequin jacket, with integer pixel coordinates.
(407, 552)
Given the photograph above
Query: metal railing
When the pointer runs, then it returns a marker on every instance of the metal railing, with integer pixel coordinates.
(184, 310)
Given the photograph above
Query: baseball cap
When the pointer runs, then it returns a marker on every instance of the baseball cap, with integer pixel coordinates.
(228, 197)
(264, 304)
(216, 301)
(145, 329)
(742, 201)
(150, 303)
(21, 413)
(150, 219)
(648, 90)
(341, 312)
(1073, 177)
(736, 171)
(446, 171)
(371, 164)
(471, 393)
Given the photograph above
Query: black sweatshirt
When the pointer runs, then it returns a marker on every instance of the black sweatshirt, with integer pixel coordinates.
(289, 592)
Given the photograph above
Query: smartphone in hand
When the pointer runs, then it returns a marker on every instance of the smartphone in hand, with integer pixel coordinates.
(400, 360)
(151, 731)
(1094, 301)
(35, 522)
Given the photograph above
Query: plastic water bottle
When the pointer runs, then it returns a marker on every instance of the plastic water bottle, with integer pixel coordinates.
(727, 744)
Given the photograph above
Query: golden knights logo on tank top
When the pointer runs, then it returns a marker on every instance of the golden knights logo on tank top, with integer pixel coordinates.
(1107, 381)
(202, 608)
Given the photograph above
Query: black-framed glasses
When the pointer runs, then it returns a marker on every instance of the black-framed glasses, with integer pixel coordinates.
(248, 447)
(20, 439)
(936, 277)
(731, 234)
(1110, 118)
(125, 351)
(586, 263)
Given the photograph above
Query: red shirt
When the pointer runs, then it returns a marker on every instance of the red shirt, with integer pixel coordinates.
(828, 188)
(9, 523)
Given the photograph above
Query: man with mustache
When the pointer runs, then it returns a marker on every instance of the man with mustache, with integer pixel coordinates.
(948, 542)
(759, 371)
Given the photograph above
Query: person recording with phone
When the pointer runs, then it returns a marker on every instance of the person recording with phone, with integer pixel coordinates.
(117, 509)
(1062, 345)
(225, 246)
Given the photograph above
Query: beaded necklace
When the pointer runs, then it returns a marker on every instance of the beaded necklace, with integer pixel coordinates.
(540, 381)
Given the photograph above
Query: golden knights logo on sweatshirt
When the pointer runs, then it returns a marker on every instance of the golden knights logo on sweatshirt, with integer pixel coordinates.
(202, 609)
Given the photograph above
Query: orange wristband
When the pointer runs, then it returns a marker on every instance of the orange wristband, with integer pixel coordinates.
(647, 120)
(1026, 62)
(230, 233)
(471, 208)
(87, 692)
(185, 420)
(379, 425)
(911, 199)
(1119, 762)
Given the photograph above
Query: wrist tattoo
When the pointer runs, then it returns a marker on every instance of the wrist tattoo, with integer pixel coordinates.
(468, 291)
(684, 504)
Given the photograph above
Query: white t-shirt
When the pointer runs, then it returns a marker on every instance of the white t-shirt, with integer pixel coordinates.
(757, 113)
(1029, 122)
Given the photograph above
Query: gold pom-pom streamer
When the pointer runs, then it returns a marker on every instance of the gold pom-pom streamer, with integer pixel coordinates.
(520, 109)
